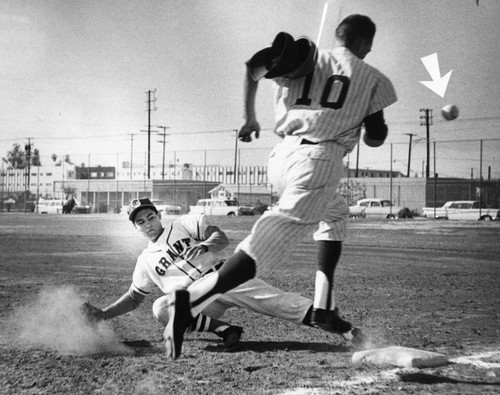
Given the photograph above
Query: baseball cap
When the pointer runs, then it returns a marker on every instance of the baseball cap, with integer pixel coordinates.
(274, 60)
(307, 54)
(139, 204)
(286, 57)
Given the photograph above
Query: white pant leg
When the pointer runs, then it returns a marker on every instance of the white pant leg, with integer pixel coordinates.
(258, 296)
(160, 309)
(333, 226)
(306, 176)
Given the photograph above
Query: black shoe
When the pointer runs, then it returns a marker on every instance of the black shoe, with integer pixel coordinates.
(179, 313)
(330, 321)
(231, 336)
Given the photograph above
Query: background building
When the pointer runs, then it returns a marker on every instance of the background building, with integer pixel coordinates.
(107, 189)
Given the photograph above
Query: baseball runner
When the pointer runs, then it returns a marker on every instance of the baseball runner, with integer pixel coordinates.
(322, 100)
(182, 252)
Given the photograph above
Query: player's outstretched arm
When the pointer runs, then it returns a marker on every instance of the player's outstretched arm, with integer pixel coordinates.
(251, 125)
(128, 302)
(91, 313)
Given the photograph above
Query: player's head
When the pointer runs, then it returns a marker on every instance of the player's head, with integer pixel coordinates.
(356, 33)
(146, 218)
(138, 205)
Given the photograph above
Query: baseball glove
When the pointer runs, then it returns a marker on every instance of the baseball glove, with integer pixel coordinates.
(92, 314)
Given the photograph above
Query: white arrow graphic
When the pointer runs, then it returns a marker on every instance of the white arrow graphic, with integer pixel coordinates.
(438, 84)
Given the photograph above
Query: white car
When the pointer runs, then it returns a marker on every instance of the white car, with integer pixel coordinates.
(374, 208)
(436, 212)
(220, 207)
(52, 206)
(463, 210)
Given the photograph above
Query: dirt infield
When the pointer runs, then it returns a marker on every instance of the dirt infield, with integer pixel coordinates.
(431, 285)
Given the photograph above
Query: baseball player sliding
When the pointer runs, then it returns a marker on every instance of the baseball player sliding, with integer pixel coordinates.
(179, 254)
(322, 100)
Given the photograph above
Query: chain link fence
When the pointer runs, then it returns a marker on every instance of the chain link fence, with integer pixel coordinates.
(452, 170)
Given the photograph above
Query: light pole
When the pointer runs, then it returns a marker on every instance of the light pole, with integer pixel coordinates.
(131, 153)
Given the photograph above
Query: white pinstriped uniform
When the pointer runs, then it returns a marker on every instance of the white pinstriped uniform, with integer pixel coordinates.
(161, 265)
(326, 107)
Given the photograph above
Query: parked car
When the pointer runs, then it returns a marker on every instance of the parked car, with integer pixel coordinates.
(220, 207)
(49, 206)
(166, 209)
(374, 208)
(436, 212)
(161, 206)
(81, 208)
(463, 210)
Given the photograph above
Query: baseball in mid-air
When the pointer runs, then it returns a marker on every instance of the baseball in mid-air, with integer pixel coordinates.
(449, 112)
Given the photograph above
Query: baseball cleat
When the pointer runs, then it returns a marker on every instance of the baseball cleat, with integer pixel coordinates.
(179, 313)
(231, 336)
(330, 321)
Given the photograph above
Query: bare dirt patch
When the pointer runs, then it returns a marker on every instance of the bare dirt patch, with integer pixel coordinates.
(431, 285)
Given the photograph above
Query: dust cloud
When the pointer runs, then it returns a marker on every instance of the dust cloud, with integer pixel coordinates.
(53, 322)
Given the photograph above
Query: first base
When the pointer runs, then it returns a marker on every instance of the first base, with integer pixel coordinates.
(400, 356)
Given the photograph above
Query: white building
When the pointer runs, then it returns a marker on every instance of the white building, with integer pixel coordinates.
(42, 181)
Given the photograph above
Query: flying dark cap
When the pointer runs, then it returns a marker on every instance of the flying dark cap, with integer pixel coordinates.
(274, 60)
(139, 204)
(286, 57)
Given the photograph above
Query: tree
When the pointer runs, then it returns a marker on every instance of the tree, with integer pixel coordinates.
(35, 158)
(352, 191)
(66, 159)
(16, 157)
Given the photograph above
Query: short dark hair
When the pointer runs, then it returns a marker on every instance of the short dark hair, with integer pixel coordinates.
(355, 27)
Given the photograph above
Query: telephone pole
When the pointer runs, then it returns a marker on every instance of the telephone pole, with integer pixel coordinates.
(163, 141)
(427, 117)
(409, 154)
(27, 150)
(151, 107)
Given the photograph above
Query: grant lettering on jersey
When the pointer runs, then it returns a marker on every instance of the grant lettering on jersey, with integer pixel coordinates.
(172, 254)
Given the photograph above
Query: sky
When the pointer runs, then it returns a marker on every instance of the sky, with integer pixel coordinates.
(75, 77)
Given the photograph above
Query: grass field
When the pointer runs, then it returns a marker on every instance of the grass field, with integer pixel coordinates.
(431, 285)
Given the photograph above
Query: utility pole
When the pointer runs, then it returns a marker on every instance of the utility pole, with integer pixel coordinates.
(151, 107)
(428, 121)
(131, 153)
(235, 157)
(164, 134)
(27, 150)
(357, 161)
(409, 154)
